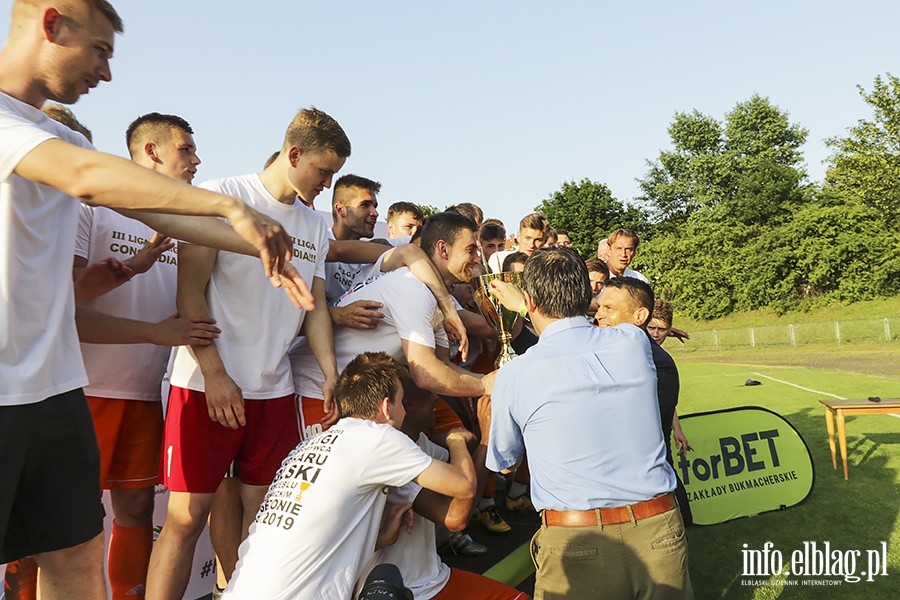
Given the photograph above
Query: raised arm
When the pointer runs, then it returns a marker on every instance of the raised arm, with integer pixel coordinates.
(456, 479)
(214, 233)
(414, 258)
(102, 179)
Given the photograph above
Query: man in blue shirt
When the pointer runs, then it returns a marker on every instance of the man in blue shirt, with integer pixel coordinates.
(583, 401)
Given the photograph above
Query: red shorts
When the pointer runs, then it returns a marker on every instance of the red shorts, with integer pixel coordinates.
(128, 434)
(312, 414)
(198, 451)
(445, 418)
(463, 584)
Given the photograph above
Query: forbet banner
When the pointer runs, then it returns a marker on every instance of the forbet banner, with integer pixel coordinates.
(745, 461)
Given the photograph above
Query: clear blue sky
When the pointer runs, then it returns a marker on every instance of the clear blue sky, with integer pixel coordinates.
(496, 103)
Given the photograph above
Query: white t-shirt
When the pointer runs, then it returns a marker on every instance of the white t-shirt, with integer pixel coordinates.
(495, 262)
(400, 241)
(317, 527)
(258, 321)
(410, 313)
(339, 276)
(126, 371)
(632, 273)
(39, 350)
(415, 554)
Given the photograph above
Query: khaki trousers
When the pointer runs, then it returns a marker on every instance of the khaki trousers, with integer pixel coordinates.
(645, 559)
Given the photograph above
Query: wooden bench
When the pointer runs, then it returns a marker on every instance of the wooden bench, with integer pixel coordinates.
(841, 408)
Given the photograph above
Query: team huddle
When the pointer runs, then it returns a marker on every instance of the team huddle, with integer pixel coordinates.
(334, 410)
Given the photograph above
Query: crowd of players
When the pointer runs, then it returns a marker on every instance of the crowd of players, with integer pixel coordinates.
(335, 417)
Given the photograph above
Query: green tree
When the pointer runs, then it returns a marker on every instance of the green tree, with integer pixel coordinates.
(588, 211)
(701, 266)
(764, 160)
(750, 165)
(684, 179)
(830, 249)
(866, 164)
(429, 210)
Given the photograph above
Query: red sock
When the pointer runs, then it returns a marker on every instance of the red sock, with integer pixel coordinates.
(20, 582)
(129, 556)
(490, 486)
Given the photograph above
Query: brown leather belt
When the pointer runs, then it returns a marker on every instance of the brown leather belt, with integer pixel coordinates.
(609, 516)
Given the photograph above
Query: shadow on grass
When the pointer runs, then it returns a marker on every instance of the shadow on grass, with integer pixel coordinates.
(858, 514)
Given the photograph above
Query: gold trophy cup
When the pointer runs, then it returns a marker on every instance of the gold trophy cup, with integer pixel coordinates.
(500, 318)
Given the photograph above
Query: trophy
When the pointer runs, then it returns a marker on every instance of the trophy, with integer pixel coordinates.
(499, 317)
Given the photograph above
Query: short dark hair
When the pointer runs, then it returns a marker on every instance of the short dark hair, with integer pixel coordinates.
(153, 127)
(314, 131)
(558, 283)
(663, 311)
(492, 231)
(445, 226)
(597, 266)
(355, 181)
(412, 392)
(640, 292)
(467, 209)
(401, 208)
(512, 259)
(106, 9)
(550, 234)
(365, 382)
(348, 182)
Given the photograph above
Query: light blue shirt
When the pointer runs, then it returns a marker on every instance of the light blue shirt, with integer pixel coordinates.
(583, 402)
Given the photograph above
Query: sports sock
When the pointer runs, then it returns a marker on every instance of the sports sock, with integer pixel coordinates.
(129, 556)
(485, 502)
(20, 582)
(516, 489)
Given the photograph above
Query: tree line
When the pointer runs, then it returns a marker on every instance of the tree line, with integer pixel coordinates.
(730, 221)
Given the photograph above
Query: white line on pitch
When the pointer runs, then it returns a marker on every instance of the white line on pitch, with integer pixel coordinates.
(806, 389)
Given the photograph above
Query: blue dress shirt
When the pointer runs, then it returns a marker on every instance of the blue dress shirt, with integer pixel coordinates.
(583, 401)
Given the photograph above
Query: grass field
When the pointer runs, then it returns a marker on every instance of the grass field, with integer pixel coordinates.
(881, 359)
(852, 515)
(871, 309)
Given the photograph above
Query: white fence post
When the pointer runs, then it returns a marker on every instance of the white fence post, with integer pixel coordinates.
(813, 335)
